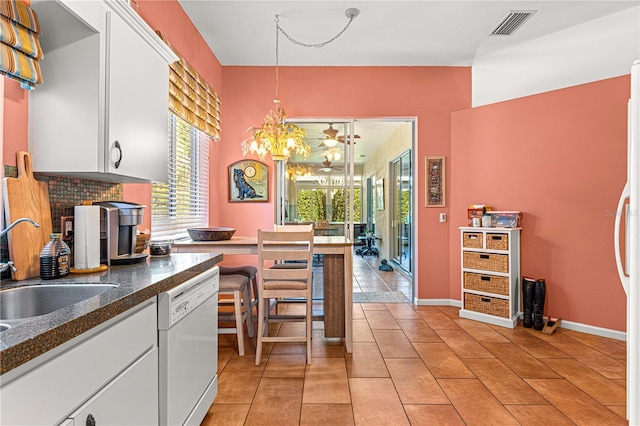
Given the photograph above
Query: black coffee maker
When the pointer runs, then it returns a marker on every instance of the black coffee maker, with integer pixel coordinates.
(119, 222)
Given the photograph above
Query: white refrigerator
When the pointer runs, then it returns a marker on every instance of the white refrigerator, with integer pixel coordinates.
(629, 248)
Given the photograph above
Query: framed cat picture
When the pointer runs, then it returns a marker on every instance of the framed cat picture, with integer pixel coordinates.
(248, 181)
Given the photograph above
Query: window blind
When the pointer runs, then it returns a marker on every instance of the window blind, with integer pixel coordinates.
(20, 48)
(191, 97)
(182, 202)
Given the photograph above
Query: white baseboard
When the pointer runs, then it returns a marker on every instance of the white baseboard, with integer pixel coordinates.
(569, 325)
(592, 329)
(438, 302)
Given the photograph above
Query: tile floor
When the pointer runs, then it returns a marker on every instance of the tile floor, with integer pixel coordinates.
(424, 365)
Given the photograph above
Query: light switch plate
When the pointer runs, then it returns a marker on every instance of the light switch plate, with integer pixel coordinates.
(66, 227)
(443, 217)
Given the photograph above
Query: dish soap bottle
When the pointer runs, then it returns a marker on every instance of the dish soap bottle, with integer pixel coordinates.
(54, 258)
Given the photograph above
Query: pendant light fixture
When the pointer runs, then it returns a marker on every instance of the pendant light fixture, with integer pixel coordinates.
(275, 136)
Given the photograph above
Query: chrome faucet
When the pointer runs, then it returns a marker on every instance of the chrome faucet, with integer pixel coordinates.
(5, 266)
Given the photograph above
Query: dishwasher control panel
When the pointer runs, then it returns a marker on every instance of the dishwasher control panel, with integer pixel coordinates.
(178, 302)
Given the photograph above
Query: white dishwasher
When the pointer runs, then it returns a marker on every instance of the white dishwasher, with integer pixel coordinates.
(188, 349)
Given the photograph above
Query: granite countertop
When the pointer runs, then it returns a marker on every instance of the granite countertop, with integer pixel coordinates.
(31, 337)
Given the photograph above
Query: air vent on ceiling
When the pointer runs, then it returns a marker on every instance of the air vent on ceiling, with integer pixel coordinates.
(512, 21)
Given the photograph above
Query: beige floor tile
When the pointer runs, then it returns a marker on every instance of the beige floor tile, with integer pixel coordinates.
(504, 383)
(226, 415)
(479, 330)
(536, 415)
(358, 312)
(460, 342)
(366, 361)
(381, 320)
(540, 349)
(475, 404)
(402, 311)
(519, 361)
(620, 410)
(603, 364)
(442, 361)
(322, 347)
(373, 307)
(574, 403)
(361, 332)
(436, 319)
(429, 415)
(414, 383)
(375, 402)
(277, 402)
(418, 331)
(591, 382)
(326, 382)
(285, 366)
(326, 414)
(452, 312)
(612, 348)
(239, 381)
(394, 344)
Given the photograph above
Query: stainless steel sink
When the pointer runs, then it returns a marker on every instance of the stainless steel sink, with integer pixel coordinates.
(35, 300)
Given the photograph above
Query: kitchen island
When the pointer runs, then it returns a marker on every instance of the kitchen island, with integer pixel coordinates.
(337, 269)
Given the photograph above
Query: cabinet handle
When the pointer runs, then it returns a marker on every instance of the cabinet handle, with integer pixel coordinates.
(496, 237)
(485, 278)
(484, 256)
(91, 421)
(484, 299)
(117, 145)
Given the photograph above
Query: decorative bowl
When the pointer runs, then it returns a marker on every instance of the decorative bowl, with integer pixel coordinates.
(211, 234)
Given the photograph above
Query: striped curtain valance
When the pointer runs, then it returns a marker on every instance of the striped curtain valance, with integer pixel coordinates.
(191, 97)
(20, 48)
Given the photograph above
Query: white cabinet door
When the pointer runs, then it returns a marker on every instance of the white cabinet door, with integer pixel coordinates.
(102, 110)
(137, 98)
(130, 399)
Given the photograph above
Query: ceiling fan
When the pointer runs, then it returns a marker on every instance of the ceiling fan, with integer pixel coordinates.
(326, 166)
(331, 137)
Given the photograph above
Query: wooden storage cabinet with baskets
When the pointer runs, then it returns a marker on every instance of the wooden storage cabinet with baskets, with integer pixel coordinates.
(491, 275)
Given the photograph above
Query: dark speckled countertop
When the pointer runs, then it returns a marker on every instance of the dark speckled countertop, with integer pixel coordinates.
(34, 336)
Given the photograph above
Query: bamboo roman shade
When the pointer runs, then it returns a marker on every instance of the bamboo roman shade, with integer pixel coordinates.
(191, 97)
(20, 48)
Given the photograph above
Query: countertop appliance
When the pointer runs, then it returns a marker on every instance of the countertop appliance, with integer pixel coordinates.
(629, 271)
(119, 222)
(188, 349)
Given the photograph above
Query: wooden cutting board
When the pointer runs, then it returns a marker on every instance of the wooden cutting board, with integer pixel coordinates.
(26, 197)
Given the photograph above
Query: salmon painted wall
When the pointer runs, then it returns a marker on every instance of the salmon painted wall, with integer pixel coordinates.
(428, 93)
(169, 18)
(560, 158)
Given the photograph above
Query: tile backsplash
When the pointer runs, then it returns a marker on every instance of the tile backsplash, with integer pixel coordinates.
(64, 194)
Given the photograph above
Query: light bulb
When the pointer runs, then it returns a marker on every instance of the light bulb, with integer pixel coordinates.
(291, 143)
(337, 156)
(330, 142)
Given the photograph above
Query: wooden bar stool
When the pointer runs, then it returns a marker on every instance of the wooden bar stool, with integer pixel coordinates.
(238, 286)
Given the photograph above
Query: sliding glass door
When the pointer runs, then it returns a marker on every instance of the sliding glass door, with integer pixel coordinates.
(401, 221)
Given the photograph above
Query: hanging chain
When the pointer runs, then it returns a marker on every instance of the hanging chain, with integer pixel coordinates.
(351, 16)
(350, 13)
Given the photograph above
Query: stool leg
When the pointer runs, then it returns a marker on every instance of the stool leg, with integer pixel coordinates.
(237, 307)
(261, 324)
(246, 301)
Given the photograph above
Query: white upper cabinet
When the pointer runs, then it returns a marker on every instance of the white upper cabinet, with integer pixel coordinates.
(101, 112)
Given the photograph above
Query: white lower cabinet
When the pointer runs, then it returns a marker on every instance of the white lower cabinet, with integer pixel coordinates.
(110, 372)
(130, 399)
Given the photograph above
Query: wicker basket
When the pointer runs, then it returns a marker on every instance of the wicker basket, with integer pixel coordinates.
(472, 239)
(486, 261)
(486, 305)
(486, 283)
(498, 241)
